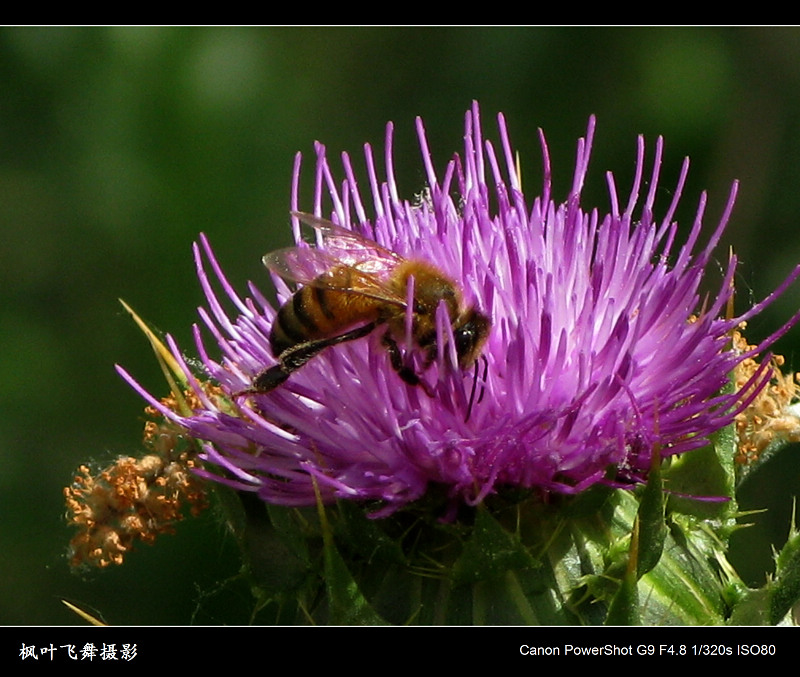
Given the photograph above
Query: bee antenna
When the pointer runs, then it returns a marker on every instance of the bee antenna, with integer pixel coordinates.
(475, 386)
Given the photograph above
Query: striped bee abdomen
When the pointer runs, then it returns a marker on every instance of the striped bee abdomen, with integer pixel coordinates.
(318, 312)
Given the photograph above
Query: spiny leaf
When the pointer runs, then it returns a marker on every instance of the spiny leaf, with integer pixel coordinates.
(785, 589)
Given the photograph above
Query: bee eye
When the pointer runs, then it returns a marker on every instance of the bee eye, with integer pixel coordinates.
(465, 338)
(469, 336)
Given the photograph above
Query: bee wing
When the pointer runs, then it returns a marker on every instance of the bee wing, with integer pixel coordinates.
(318, 268)
(366, 263)
(350, 248)
(300, 264)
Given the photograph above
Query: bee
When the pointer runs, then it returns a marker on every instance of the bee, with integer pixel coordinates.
(351, 287)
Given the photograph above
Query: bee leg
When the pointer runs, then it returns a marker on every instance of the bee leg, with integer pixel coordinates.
(403, 371)
(268, 379)
(291, 359)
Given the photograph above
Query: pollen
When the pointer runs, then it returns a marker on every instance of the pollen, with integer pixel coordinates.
(132, 499)
(770, 417)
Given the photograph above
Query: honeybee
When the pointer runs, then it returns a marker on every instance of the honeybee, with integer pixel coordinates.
(353, 286)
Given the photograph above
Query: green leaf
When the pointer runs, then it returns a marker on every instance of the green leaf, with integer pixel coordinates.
(274, 549)
(624, 608)
(367, 537)
(652, 529)
(685, 587)
(785, 589)
(489, 552)
(702, 482)
(346, 602)
(752, 608)
(501, 579)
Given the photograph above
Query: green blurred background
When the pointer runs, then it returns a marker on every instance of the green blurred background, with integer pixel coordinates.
(119, 145)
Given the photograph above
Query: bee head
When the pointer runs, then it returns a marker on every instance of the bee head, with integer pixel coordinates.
(470, 333)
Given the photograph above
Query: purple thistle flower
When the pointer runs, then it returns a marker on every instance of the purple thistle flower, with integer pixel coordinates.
(601, 352)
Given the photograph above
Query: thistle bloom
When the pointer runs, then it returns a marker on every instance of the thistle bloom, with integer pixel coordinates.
(601, 353)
